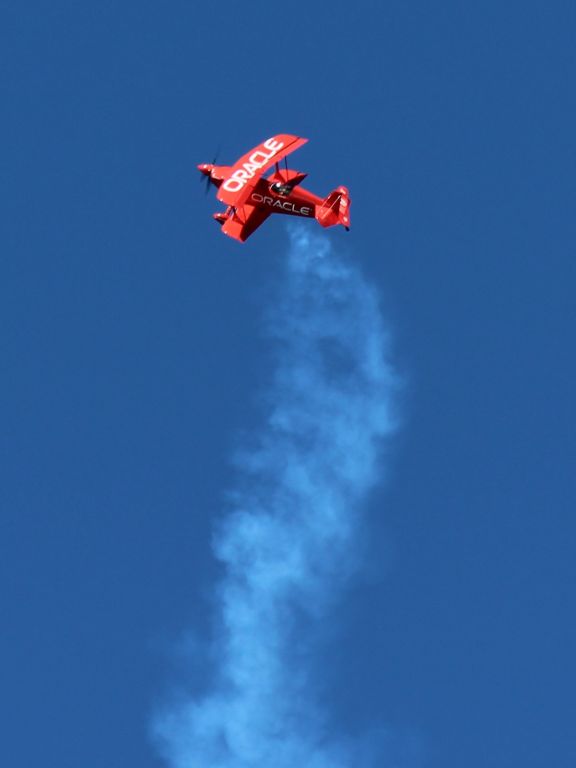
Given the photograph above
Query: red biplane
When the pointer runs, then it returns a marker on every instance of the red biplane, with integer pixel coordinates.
(251, 198)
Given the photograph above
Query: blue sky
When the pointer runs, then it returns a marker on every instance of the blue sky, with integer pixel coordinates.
(133, 354)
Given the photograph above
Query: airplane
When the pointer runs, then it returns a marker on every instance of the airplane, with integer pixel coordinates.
(251, 199)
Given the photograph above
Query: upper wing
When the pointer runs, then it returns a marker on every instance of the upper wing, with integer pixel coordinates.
(244, 174)
(242, 223)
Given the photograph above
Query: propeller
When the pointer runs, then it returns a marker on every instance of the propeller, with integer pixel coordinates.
(206, 177)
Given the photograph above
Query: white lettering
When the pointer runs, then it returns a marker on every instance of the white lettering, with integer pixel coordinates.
(274, 145)
(284, 205)
(233, 185)
(236, 181)
(251, 168)
(257, 160)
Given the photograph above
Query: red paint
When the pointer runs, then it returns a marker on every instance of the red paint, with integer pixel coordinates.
(251, 198)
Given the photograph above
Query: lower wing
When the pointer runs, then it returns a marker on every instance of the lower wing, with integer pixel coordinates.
(244, 221)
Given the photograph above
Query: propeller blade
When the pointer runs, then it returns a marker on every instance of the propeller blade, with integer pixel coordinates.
(207, 177)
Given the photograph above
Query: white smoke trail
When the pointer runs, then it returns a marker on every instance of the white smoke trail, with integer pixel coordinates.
(288, 539)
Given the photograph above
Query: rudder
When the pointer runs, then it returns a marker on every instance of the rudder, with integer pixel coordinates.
(335, 209)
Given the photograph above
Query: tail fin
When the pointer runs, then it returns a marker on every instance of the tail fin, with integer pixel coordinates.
(335, 209)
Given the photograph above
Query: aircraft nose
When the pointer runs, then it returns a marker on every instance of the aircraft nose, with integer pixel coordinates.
(205, 168)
